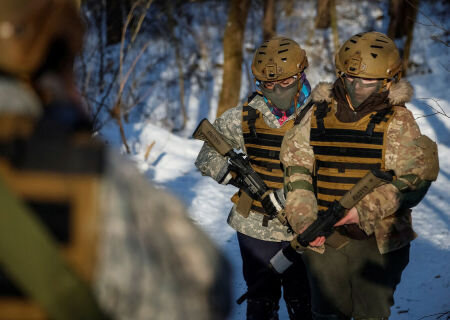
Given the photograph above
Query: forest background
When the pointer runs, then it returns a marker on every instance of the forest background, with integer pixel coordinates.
(151, 70)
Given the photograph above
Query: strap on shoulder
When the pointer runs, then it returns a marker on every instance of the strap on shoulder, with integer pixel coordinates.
(250, 118)
(303, 112)
(321, 113)
(252, 96)
(45, 275)
(376, 119)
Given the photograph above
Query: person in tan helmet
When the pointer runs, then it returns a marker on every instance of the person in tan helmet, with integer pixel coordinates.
(356, 124)
(83, 235)
(257, 128)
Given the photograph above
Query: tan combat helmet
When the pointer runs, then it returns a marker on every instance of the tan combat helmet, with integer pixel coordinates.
(29, 27)
(371, 55)
(278, 58)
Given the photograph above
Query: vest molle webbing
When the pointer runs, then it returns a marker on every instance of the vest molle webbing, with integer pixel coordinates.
(345, 151)
(263, 146)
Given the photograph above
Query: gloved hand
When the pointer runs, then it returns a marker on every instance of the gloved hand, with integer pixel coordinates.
(273, 202)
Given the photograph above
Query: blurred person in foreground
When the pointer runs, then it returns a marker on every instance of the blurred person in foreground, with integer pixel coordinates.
(356, 124)
(257, 128)
(83, 234)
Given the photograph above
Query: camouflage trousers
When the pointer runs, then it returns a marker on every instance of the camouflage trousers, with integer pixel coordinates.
(354, 281)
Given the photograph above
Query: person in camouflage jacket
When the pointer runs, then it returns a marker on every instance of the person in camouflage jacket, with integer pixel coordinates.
(257, 128)
(357, 124)
(149, 260)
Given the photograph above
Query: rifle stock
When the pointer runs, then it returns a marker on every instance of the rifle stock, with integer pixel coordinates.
(205, 131)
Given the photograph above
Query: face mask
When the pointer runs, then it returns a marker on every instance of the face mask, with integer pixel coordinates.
(358, 91)
(281, 97)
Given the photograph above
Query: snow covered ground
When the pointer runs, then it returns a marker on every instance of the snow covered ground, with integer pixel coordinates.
(424, 292)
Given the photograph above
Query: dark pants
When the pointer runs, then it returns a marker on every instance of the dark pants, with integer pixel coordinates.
(256, 255)
(354, 281)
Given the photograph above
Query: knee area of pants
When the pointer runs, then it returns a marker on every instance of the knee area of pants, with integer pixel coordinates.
(262, 309)
(298, 309)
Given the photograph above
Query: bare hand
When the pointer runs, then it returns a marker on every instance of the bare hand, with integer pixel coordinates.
(351, 217)
(318, 241)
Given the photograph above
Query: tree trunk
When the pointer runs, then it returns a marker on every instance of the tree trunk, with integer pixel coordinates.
(323, 17)
(114, 22)
(288, 7)
(409, 34)
(172, 23)
(232, 55)
(403, 16)
(269, 20)
(334, 27)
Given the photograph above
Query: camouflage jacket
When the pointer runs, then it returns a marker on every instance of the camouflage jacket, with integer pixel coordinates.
(212, 164)
(378, 211)
(152, 262)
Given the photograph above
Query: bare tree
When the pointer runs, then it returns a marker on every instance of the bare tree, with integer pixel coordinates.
(162, 57)
(179, 60)
(116, 93)
(116, 12)
(334, 27)
(288, 7)
(323, 17)
(269, 20)
(403, 15)
(232, 48)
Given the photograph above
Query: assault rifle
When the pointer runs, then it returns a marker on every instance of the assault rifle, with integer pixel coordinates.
(247, 179)
(324, 224)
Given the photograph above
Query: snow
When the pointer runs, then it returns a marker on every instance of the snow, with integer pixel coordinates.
(424, 292)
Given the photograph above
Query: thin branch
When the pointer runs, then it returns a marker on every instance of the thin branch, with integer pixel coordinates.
(141, 20)
(446, 69)
(439, 111)
(122, 54)
(439, 315)
(130, 70)
(432, 23)
(435, 38)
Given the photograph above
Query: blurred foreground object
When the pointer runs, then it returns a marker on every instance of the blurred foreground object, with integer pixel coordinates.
(83, 234)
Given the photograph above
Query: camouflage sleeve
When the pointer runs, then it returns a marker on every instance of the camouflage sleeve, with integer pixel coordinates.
(153, 261)
(402, 156)
(301, 204)
(209, 161)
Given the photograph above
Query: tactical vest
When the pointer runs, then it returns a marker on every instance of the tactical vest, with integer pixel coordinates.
(263, 145)
(58, 179)
(345, 151)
